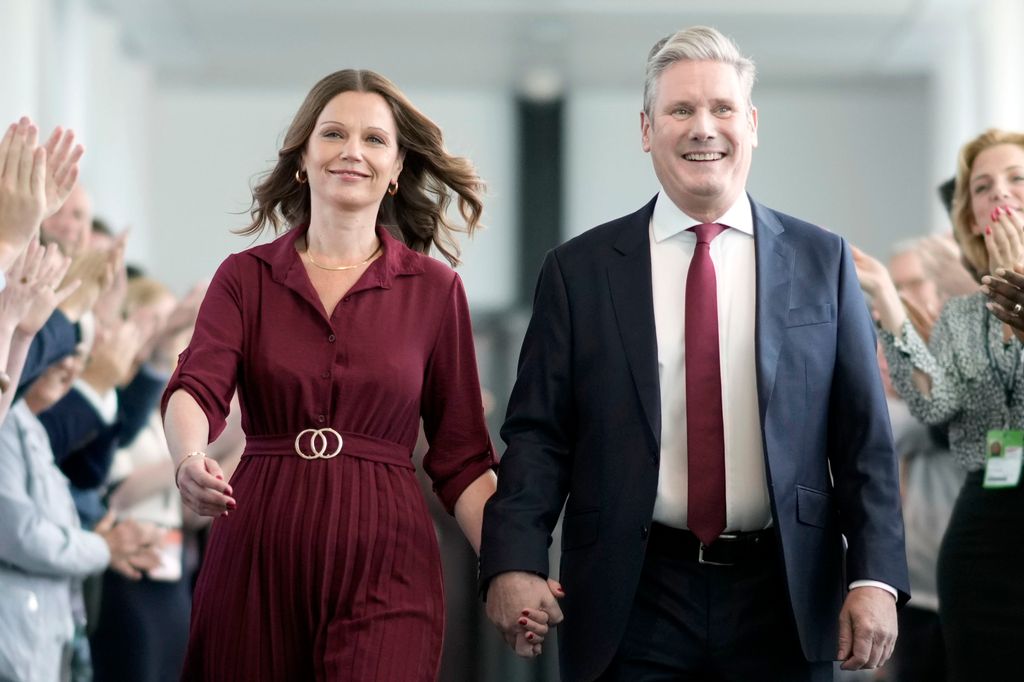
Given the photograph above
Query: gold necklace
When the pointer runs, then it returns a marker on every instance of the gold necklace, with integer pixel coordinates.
(338, 268)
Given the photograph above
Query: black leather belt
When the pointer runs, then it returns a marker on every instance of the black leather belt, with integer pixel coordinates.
(729, 549)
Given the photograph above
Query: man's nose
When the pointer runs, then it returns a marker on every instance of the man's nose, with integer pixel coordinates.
(702, 125)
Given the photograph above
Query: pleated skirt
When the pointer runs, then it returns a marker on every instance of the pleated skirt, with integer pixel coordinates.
(328, 570)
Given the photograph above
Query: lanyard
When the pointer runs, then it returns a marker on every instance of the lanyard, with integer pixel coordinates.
(1008, 383)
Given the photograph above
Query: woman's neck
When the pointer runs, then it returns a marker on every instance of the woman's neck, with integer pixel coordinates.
(342, 237)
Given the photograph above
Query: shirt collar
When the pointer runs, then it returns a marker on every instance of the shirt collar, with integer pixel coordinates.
(397, 259)
(668, 220)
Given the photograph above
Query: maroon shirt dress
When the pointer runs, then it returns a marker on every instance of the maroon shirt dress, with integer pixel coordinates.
(329, 568)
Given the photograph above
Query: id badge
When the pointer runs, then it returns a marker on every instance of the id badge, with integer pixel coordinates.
(1004, 452)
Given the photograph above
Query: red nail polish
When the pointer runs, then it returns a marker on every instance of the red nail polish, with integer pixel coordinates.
(988, 229)
(529, 636)
(994, 214)
(526, 612)
(522, 621)
(232, 505)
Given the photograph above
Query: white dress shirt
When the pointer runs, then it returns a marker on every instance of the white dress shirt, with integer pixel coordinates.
(732, 252)
(747, 506)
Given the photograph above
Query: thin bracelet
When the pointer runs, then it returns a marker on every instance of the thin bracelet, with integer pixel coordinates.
(177, 469)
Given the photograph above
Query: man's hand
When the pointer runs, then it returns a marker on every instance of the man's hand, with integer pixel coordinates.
(867, 628)
(518, 596)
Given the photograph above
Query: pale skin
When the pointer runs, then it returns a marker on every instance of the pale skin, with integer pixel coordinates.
(349, 161)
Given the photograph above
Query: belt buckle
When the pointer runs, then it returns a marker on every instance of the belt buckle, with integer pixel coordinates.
(700, 552)
(318, 443)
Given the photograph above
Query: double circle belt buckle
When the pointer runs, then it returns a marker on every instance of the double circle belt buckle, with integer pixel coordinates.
(318, 443)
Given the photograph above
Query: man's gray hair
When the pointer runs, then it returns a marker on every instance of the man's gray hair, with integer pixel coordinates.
(697, 43)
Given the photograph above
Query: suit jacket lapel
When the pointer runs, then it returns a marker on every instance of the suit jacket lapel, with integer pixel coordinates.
(774, 274)
(629, 280)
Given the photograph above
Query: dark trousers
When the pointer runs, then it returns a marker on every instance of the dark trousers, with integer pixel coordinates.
(920, 655)
(699, 622)
(981, 583)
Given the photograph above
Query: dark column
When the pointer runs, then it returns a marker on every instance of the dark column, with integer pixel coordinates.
(540, 187)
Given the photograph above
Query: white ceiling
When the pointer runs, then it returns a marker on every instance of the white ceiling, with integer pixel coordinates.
(485, 43)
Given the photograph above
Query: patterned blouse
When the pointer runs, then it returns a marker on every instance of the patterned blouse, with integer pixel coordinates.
(972, 373)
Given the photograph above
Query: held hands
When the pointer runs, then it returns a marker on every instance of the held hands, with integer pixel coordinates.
(523, 606)
(203, 489)
(867, 628)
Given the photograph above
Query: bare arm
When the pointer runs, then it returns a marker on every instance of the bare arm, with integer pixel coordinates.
(200, 478)
(469, 508)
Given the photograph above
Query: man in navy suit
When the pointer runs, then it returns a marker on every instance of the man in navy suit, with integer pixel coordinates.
(698, 387)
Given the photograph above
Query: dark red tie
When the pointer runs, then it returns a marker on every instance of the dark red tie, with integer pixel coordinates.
(705, 434)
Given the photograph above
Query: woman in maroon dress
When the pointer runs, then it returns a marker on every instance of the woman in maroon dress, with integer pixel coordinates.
(339, 336)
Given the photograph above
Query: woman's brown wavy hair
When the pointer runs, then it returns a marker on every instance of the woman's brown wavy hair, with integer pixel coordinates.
(416, 214)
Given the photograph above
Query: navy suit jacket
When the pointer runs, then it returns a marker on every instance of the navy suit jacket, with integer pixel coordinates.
(584, 425)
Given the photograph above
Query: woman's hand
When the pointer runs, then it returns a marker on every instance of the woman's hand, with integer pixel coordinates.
(203, 488)
(1004, 239)
(534, 626)
(878, 285)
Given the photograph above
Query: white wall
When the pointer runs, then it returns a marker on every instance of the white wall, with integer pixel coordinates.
(853, 157)
(209, 146)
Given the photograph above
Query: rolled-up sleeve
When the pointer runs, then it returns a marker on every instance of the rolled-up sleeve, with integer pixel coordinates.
(208, 369)
(460, 449)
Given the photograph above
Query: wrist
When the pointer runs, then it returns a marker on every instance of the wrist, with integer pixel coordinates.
(187, 457)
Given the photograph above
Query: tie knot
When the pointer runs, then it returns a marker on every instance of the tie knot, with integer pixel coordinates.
(707, 231)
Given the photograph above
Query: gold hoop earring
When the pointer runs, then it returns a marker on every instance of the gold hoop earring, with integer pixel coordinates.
(301, 177)
(393, 187)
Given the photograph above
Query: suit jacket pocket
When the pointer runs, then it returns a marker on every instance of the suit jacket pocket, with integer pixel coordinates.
(579, 529)
(809, 314)
(813, 507)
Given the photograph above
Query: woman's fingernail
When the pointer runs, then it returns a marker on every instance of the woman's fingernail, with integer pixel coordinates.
(988, 229)
(522, 621)
(994, 214)
(529, 636)
(984, 289)
(526, 612)
(232, 505)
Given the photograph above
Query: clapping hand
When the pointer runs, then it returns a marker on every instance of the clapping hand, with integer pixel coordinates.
(22, 188)
(62, 157)
(34, 287)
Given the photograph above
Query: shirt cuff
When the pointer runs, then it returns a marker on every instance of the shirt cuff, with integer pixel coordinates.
(105, 405)
(874, 583)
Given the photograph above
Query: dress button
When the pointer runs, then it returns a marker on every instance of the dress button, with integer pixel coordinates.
(320, 418)
(332, 338)
(326, 375)
(643, 532)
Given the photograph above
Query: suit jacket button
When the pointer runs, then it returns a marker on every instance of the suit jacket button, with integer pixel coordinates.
(643, 532)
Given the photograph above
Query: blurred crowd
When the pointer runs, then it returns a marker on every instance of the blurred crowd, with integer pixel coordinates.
(97, 553)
